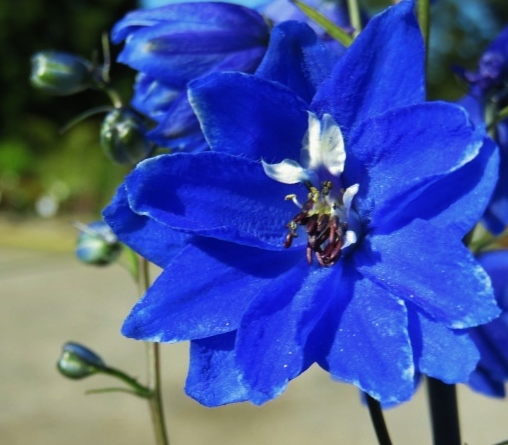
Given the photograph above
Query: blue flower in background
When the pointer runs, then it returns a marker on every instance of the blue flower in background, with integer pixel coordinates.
(492, 338)
(487, 96)
(174, 44)
(324, 226)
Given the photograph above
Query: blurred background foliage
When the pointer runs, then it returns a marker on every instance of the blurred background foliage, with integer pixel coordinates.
(44, 172)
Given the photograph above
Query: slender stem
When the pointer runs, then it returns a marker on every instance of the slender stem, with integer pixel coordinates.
(138, 389)
(444, 412)
(424, 20)
(378, 421)
(354, 16)
(153, 364)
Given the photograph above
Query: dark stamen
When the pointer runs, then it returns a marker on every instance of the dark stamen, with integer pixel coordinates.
(325, 232)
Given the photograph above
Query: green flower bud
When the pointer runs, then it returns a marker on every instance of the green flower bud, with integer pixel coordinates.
(97, 244)
(78, 362)
(123, 137)
(60, 72)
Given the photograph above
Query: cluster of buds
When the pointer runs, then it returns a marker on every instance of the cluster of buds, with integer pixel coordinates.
(123, 131)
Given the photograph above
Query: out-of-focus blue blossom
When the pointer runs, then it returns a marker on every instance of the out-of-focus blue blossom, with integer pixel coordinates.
(492, 338)
(488, 94)
(342, 247)
(473, 22)
(174, 44)
(255, 4)
(159, 97)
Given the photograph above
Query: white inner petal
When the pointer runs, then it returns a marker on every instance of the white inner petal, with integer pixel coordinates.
(310, 154)
(323, 145)
(333, 153)
(349, 238)
(287, 172)
(348, 196)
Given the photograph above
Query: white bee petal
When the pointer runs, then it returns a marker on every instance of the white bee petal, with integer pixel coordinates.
(287, 171)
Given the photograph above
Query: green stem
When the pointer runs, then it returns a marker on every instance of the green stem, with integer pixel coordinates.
(424, 20)
(153, 364)
(378, 421)
(354, 16)
(138, 389)
(444, 412)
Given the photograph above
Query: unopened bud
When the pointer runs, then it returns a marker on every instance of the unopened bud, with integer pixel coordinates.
(97, 244)
(123, 137)
(78, 362)
(60, 73)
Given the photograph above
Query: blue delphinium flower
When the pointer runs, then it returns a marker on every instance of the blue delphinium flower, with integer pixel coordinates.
(324, 230)
(492, 338)
(487, 96)
(174, 44)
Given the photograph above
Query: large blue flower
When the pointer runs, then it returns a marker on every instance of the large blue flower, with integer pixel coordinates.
(321, 227)
(491, 373)
(487, 96)
(174, 44)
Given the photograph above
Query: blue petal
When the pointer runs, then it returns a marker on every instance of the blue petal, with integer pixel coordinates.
(425, 265)
(213, 194)
(178, 127)
(192, 16)
(271, 127)
(371, 348)
(155, 241)
(213, 377)
(496, 216)
(151, 97)
(482, 382)
(452, 208)
(440, 352)
(495, 264)
(204, 291)
(382, 69)
(492, 340)
(396, 156)
(296, 58)
(271, 345)
(177, 43)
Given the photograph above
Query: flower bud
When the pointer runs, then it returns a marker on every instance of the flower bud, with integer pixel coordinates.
(123, 137)
(77, 361)
(60, 72)
(97, 244)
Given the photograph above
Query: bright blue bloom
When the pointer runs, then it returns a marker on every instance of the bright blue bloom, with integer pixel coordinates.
(174, 44)
(380, 288)
(487, 96)
(492, 338)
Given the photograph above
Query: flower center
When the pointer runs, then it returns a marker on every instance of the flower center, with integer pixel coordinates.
(324, 217)
(330, 222)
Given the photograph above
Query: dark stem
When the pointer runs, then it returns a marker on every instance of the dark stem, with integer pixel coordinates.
(444, 412)
(378, 421)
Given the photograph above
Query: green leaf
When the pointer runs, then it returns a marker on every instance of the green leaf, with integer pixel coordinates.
(333, 30)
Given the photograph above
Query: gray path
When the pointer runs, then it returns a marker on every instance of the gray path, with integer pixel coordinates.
(48, 298)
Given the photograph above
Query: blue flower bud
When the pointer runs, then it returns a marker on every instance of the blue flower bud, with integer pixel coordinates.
(60, 72)
(77, 361)
(97, 244)
(123, 137)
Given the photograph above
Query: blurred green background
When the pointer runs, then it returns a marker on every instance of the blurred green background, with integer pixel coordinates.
(39, 167)
(44, 172)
